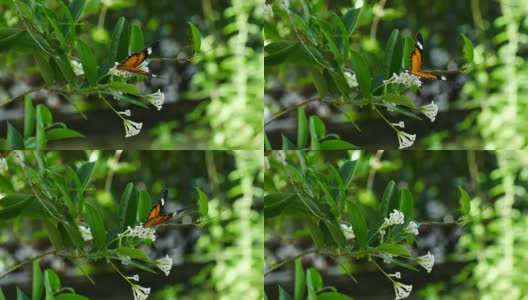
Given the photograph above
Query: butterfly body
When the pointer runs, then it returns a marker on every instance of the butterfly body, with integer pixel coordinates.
(416, 61)
(155, 217)
(134, 60)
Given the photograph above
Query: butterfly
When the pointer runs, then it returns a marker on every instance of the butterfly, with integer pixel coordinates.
(155, 217)
(134, 60)
(416, 60)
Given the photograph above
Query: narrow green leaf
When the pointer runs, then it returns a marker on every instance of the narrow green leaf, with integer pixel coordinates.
(53, 235)
(299, 281)
(21, 295)
(406, 204)
(9, 36)
(286, 143)
(279, 52)
(275, 203)
(13, 205)
(399, 100)
(302, 128)
(393, 53)
(386, 199)
(123, 206)
(136, 39)
(283, 295)
(66, 69)
(408, 47)
(88, 61)
(29, 116)
(144, 205)
(203, 203)
(116, 36)
(319, 81)
(333, 296)
(15, 141)
(76, 8)
(359, 224)
(62, 133)
(70, 296)
(133, 253)
(314, 281)
(336, 145)
(350, 20)
(196, 37)
(125, 88)
(394, 249)
(465, 203)
(51, 281)
(38, 283)
(2, 296)
(361, 69)
(468, 49)
(317, 131)
(45, 68)
(97, 227)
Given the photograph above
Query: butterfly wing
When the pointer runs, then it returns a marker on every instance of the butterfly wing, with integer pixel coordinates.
(161, 219)
(135, 59)
(416, 61)
(154, 216)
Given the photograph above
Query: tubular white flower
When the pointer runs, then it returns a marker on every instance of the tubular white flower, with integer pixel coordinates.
(3, 165)
(347, 231)
(430, 111)
(140, 293)
(426, 261)
(145, 233)
(135, 277)
(395, 217)
(86, 233)
(396, 275)
(125, 113)
(411, 228)
(404, 78)
(132, 128)
(401, 290)
(164, 264)
(400, 124)
(351, 79)
(77, 67)
(405, 139)
(157, 99)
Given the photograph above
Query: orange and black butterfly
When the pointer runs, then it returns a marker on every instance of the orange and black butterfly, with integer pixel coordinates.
(416, 60)
(134, 60)
(154, 217)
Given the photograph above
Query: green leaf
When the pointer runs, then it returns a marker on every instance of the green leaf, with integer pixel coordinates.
(123, 205)
(116, 37)
(408, 47)
(133, 253)
(21, 295)
(400, 110)
(62, 133)
(361, 69)
(350, 20)
(336, 145)
(136, 264)
(386, 199)
(196, 37)
(76, 8)
(399, 100)
(46, 118)
(45, 68)
(299, 281)
(15, 141)
(97, 227)
(128, 99)
(203, 203)
(302, 128)
(468, 49)
(286, 143)
(394, 249)
(346, 172)
(29, 117)
(333, 296)
(393, 53)
(275, 203)
(144, 205)
(406, 204)
(278, 52)
(136, 39)
(75, 235)
(85, 174)
(400, 263)
(317, 132)
(125, 88)
(66, 69)
(53, 235)
(71, 296)
(465, 203)
(14, 204)
(359, 224)
(283, 295)
(88, 62)
(2, 297)
(38, 284)
(319, 81)
(9, 36)
(51, 281)
(314, 281)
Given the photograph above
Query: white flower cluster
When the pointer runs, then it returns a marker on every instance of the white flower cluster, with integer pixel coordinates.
(395, 217)
(348, 231)
(430, 111)
(145, 233)
(426, 261)
(411, 228)
(140, 293)
(164, 264)
(404, 78)
(157, 99)
(121, 73)
(405, 139)
(401, 290)
(132, 128)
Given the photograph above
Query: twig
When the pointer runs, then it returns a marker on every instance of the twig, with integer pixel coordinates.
(289, 260)
(290, 109)
(25, 262)
(21, 95)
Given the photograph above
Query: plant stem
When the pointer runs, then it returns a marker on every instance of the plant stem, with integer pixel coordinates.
(289, 260)
(25, 262)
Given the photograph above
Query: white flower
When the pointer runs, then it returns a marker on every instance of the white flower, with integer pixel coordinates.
(387, 258)
(119, 73)
(430, 111)
(156, 99)
(383, 232)
(140, 293)
(132, 128)
(405, 139)
(123, 262)
(404, 78)
(395, 217)
(268, 10)
(426, 261)
(145, 233)
(396, 275)
(3, 165)
(77, 67)
(401, 290)
(411, 228)
(351, 79)
(135, 277)
(118, 92)
(86, 233)
(400, 124)
(164, 264)
(348, 231)
(125, 113)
